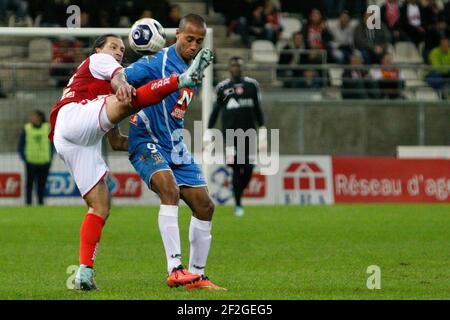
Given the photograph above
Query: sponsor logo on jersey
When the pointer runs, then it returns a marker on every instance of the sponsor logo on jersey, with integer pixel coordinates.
(183, 101)
(10, 186)
(160, 83)
(134, 119)
(158, 158)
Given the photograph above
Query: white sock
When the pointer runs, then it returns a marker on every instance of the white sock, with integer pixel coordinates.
(200, 238)
(170, 234)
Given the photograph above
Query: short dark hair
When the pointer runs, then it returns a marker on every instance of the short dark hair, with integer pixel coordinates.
(237, 59)
(297, 33)
(40, 114)
(192, 18)
(101, 41)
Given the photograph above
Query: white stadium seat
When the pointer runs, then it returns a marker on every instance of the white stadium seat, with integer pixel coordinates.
(290, 25)
(411, 78)
(427, 94)
(264, 51)
(406, 52)
(336, 76)
(40, 50)
(281, 44)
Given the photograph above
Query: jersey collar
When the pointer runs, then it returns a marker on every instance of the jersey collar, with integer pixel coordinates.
(174, 52)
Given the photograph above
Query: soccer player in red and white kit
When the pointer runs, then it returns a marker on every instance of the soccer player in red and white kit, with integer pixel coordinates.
(87, 111)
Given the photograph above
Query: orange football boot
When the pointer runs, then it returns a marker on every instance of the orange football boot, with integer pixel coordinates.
(180, 276)
(204, 284)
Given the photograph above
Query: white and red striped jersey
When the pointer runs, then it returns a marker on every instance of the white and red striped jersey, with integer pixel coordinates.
(91, 79)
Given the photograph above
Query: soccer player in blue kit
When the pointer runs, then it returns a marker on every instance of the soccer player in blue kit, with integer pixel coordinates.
(158, 153)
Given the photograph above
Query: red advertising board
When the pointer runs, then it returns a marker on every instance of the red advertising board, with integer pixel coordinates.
(10, 185)
(388, 179)
(256, 187)
(126, 185)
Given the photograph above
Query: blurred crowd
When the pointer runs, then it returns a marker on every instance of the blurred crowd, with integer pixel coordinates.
(424, 23)
(99, 13)
(331, 31)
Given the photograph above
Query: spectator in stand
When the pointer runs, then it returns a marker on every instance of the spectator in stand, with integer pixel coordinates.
(174, 17)
(316, 34)
(411, 17)
(390, 16)
(65, 50)
(356, 7)
(318, 39)
(372, 43)
(294, 74)
(53, 13)
(237, 13)
(342, 45)
(432, 11)
(20, 13)
(439, 78)
(255, 27)
(356, 82)
(390, 81)
(273, 25)
(446, 13)
(332, 8)
(438, 30)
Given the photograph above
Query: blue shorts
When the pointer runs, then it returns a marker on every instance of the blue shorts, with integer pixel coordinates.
(149, 158)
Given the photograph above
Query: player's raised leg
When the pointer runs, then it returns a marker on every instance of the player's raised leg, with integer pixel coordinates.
(128, 100)
(199, 201)
(163, 183)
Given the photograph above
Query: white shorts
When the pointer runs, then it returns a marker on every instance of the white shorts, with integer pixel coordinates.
(79, 130)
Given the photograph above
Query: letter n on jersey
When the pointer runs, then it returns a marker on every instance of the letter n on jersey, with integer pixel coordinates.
(183, 101)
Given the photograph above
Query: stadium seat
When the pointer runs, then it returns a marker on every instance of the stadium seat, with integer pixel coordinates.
(411, 78)
(354, 23)
(427, 94)
(332, 24)
(264, 51)
(290, 25)
(40, 50)
(390, 48)
(336, 76)
(409, 95)
(406, 52)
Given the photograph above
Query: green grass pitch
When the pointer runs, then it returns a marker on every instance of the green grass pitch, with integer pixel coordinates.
(273, 252)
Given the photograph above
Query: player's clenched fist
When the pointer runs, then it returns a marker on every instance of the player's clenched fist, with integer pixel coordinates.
(125, 93)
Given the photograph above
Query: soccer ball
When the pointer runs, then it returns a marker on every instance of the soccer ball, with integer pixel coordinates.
(147, 36)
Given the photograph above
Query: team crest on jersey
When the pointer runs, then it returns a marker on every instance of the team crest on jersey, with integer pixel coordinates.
(183, 101)
(239, 90)
(134, 119)
(158, 158)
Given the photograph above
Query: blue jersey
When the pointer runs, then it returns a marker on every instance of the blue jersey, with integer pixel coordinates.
(159, 124)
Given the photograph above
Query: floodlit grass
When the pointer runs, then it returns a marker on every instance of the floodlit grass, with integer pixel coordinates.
(273, 252)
